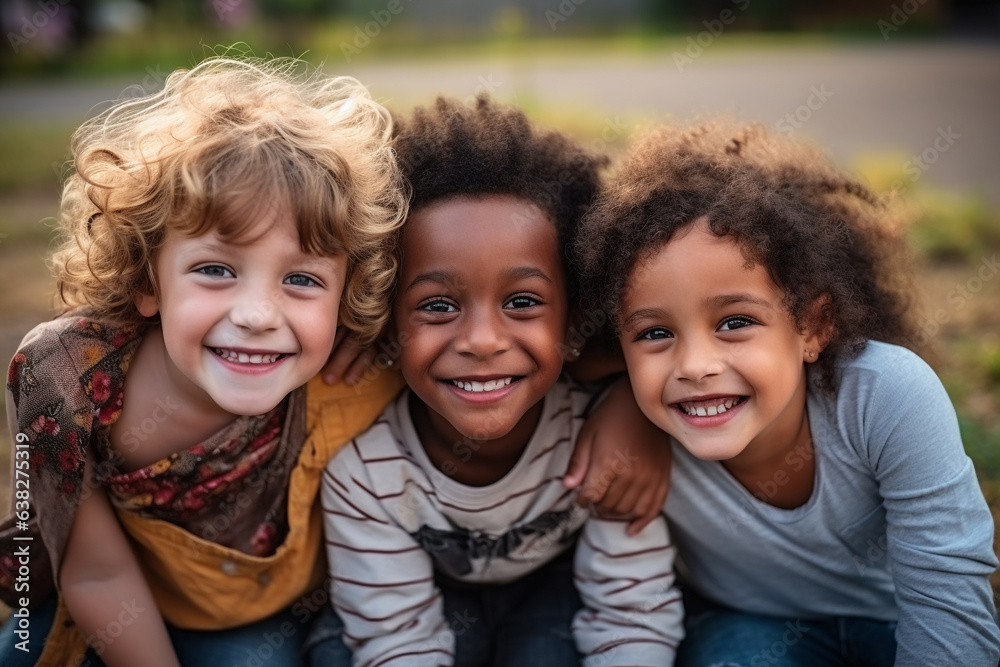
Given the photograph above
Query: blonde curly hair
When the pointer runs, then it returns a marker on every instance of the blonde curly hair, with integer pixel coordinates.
(222, 141)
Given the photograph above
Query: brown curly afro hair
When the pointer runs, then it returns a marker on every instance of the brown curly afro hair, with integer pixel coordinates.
(454, 149)
(823, 237)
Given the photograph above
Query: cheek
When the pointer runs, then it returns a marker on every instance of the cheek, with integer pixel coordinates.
(418, 352)
(647, 383)
(648, 388)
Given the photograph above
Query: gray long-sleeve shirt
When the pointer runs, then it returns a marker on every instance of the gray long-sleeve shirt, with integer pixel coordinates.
(896, 527)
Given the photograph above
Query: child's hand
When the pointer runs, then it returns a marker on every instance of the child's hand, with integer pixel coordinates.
(621, 461)
(349, 359)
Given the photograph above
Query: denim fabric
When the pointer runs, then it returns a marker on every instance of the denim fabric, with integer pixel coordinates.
(526, 623)
(325, 645)
(39, 623)
(274, 642)
(721, 637)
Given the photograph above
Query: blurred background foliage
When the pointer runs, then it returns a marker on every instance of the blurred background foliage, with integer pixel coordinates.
(105, 36)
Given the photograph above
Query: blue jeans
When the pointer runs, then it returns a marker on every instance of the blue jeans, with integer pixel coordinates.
(526, 623)
(718, 636)
(274, 642)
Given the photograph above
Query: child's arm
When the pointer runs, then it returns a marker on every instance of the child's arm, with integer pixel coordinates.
(103, 586)
(939, 527)
(621, 460)
(381, 579)
(634, 614)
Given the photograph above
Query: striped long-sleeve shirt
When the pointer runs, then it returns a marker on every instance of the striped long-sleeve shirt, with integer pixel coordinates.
(392, 518)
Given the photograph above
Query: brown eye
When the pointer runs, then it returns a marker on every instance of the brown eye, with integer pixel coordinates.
(521, 301)
(438, 306)
(738, 322)
(655, 333)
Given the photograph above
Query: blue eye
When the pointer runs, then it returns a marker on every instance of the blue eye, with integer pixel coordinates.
(736, 322)
(215, 271)
(301, 280)
(437, 306)
(521, 302)
(655, 333)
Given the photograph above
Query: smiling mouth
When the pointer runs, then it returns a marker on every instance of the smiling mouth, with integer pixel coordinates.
(710, 408)
(480, 387)
(237, 357)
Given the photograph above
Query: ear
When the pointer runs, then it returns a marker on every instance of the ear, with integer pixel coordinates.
(819, 328)
(148, 305)
(573, 340)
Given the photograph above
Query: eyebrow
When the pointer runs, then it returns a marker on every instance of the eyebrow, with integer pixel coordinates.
(513, 273)
(719, 301)
(525, 272)
(642, 314)
(430, 277)
(739, 297)
(226, 249)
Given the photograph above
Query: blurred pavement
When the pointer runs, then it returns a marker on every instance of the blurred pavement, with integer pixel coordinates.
(934, 105)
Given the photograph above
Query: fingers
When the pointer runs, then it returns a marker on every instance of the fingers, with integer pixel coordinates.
(337, 363)
(650, 503)
(636, 525)
(361, 364)
(579, 463)
(595, 485)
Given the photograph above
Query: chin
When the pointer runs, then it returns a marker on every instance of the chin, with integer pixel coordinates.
(476, 432)
(707, 451)
(249, 408)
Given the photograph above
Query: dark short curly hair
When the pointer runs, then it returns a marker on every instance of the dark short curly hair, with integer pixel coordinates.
(820, 233)
(454, 149)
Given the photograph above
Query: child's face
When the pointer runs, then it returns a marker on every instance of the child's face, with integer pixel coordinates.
(481, 313)
(245, 323)
(714, 356)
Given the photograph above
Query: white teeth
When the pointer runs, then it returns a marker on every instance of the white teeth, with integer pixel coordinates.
(244, 358)
(489, 385)
(709, 410)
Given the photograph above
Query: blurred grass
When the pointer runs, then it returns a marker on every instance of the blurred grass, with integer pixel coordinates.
(35, 156)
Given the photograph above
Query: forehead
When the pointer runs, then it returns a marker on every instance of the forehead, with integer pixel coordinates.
(463, 227)
(695, 264)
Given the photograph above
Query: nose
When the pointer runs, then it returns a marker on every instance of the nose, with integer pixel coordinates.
(482, 333)
(698, 358)
(253, 311)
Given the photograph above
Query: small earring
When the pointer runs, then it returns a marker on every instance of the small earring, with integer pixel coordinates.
(574, 353)
(390, 362)
(811, 354)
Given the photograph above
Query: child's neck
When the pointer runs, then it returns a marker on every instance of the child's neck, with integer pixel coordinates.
(468, 461)
(162, 412)
(782, 475)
